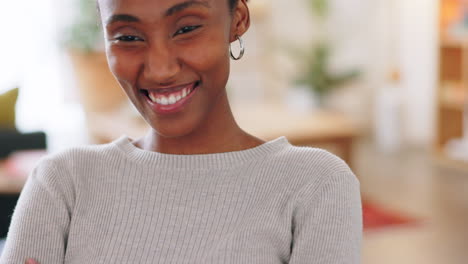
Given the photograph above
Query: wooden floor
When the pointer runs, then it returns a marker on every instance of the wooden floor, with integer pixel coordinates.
(411, 182)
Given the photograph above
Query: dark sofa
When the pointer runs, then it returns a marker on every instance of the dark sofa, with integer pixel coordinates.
(10, 141)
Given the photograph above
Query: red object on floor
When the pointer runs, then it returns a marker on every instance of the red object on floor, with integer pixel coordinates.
(375, 217)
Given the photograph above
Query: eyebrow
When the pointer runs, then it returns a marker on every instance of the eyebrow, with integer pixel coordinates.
(171, 11)
(122, 17)
(184, 5)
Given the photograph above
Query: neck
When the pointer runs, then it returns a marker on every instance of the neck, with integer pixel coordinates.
(218, 133)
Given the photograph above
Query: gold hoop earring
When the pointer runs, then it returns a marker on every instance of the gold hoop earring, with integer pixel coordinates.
(242, 49)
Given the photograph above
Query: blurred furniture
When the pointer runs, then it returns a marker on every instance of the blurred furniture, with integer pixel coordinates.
(14, 172)
(12, 180)
(9, 185)
(99, 93)
(330, 130)
(7, 109)
(321, 128)
(98, 90)
(11, 141)
(449, 163)
(10, 189)
(10, 138)
(452, 94)
(105, 127)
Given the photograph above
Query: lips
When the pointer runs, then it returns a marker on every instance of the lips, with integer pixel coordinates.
(170, 100)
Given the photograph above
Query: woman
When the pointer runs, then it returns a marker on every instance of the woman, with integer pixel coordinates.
(196, 188)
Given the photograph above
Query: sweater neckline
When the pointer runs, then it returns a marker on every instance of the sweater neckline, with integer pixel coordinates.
(199, 161)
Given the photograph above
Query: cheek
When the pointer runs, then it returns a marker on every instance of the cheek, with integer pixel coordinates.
(125, 69)
(207, 56)
(124, 66)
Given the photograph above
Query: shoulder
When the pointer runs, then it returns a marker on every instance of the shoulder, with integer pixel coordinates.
(314, 158)
(310, 169)
(326, 180)
(68, 160)
(327, 212)
(66, 173)
(310, 160)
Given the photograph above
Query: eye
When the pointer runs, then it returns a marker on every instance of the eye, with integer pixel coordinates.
(186, 29)
(128, 38)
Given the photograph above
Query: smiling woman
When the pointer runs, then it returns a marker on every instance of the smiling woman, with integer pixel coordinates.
(196, 188)
(184, 47)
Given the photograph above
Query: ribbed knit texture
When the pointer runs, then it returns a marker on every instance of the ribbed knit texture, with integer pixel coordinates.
(116, 203)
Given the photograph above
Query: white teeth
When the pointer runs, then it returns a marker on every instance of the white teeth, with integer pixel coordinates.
(172, 99)
(154, 99)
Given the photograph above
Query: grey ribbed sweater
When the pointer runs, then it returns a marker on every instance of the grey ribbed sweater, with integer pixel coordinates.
(116, 203)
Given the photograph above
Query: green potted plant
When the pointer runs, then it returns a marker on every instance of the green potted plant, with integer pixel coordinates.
(316, 74)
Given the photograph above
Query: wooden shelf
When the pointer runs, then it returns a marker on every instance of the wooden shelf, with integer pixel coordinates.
(453, 84)
(454, 106)
(453, 43)
(455, 101)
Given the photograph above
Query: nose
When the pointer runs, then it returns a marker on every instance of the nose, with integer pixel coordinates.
(161, 64)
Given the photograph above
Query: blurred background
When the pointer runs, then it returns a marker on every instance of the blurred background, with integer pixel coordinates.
(381, 83)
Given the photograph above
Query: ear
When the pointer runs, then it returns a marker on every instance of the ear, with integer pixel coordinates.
(240, 20)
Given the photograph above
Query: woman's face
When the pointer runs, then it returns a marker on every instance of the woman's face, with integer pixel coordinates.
(171, 57)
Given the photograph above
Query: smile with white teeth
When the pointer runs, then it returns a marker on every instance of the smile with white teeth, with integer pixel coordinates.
(170, 98)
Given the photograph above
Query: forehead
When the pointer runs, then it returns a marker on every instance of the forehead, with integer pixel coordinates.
(151, 8)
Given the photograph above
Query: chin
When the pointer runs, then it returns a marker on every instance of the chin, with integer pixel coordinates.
(171, 129)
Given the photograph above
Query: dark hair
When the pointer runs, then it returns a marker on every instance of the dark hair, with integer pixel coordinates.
(232, 4)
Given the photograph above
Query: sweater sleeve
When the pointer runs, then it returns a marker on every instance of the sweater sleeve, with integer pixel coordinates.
(327, 225)
(41, 219)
